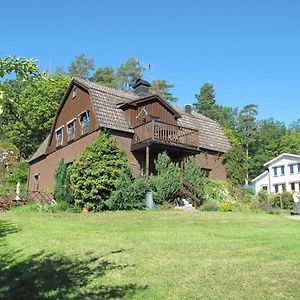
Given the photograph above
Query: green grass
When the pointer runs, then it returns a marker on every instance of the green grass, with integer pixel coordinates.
(149, 255)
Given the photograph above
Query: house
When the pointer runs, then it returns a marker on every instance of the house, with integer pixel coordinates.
(282, 174)
(142, 124)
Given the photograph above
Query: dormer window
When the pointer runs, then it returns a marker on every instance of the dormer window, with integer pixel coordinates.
(59, 136)
(71, 130)
(85, 122)
(74, 92)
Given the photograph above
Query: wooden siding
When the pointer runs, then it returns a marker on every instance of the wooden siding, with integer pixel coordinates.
(72, 109)
(154, 108)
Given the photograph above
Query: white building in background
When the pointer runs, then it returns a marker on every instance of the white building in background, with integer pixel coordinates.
(282, 174)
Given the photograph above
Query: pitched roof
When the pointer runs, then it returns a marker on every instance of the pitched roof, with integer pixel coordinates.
(280, 156)
(211, 135)
(105, 101)
(260, 176)
(41, 150)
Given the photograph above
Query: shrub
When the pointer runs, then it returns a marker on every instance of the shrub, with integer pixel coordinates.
(225, 207)
(62, 185)
(194, 175)
(128, 194)
(168, 180)
(217, 191)
(284, 198)
(210, 206)
(19, 174)
(263, 196)
(96, 172)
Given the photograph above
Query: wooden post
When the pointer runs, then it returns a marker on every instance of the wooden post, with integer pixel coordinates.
(147, 161)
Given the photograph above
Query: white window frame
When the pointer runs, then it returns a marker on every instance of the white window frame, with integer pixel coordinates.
(74, 92)
(61, 128)
(83, 132)
(73, 121)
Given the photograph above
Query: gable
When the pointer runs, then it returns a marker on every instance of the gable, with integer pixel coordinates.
(283, 159)
(70, 110)
(145, 109)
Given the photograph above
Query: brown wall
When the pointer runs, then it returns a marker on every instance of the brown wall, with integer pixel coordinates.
(212, 161)
(46, 167)
(72, 108)
(154, 108)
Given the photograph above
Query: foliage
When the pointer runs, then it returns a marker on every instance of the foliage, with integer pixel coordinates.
(225, 207)
(34, 109)
(284, 198)
(194, 175)
(23, 67)
(128, 72)
(216, 190)
(205, 100)
(263, 196)
(210, 205)
(81, 66)
(62, 185)
(104, 76)
(95, 174)
(129, 194)
(161, 88)
(168, 180)
(19, 174)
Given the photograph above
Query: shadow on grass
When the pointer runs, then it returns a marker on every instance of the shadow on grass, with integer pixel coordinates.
(54, 276)
(7, 228)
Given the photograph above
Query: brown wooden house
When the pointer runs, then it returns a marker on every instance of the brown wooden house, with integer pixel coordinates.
(142, 124)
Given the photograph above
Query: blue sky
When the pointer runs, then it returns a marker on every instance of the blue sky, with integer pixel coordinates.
(249, 50)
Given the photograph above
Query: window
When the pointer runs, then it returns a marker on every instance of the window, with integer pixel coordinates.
(85, 122)
(71, 130)
(292, 186)
(264, 187)
(275, 171)
(74, 92)
(283, 186)
(282, 170)
(276, 188)
(291, 169)
(59, 136)
(153, 118)
(37, 181)
(298, 168)
(206, 172)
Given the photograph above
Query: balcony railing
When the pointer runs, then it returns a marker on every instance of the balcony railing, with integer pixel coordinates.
(167, 133)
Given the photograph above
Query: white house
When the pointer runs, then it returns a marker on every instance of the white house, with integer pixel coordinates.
(282, 174)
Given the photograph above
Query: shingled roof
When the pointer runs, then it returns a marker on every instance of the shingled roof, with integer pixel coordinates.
(106, 102)
(211, 135)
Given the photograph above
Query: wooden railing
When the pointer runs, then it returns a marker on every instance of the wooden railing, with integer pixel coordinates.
(159, 131)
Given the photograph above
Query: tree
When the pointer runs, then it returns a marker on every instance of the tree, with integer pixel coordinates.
(35, 111)
(129, 72)
(205, 100)
(105, 76)
(23, 67)
(161, 88)
(290, 142)
(248, 133)
(168, 180)
(94, 175)
(81, 66)
(62, 183)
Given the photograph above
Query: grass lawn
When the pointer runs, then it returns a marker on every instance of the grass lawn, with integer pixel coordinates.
(149, 255)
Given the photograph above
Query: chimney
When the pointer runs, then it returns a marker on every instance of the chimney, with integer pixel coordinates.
(141, 87)
(188, 108)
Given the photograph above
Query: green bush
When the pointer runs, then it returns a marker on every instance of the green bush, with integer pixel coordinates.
(209, 206)
(225, 207)
(94, 175)
(168, 180)
(19, 174)
(194, 175)
(62, 184)
(129, 194)
(216, 190)
(263, 197)
(285, 198)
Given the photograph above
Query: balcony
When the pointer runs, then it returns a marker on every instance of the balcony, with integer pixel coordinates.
(163, 133)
